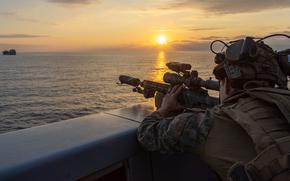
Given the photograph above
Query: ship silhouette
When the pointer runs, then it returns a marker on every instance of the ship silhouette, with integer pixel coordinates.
(9, 52)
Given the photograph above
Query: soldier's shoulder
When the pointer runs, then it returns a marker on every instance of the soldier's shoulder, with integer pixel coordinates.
(186, 115)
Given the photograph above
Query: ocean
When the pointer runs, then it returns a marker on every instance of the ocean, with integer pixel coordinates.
(42, 88)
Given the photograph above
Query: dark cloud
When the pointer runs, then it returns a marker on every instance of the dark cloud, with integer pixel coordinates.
(189, 45)
(241, 37)
(229, 6)
(73, 1)
(21, 36)
(223, 38)
(261, 36)
(214, 38)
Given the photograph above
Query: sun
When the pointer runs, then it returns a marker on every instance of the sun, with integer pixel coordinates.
(161, 40)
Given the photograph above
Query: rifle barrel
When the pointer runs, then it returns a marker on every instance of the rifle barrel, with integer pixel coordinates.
(124, 79)
(159, 87)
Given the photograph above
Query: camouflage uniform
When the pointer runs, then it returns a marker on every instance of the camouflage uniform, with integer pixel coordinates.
(182, 133)
(240, 130)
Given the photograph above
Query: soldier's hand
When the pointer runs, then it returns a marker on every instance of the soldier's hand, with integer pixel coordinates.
(170, 103)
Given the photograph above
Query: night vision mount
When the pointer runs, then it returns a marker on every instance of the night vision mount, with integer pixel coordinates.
(250, 60)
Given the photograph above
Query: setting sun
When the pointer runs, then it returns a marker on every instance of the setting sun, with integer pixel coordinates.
(161, 40)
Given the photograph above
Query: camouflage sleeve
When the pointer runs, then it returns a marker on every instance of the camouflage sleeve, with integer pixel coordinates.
(182, 133)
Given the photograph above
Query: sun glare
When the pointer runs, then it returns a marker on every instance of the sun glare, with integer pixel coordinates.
(161, 40)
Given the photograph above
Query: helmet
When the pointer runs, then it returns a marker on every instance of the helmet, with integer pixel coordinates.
(247, 63)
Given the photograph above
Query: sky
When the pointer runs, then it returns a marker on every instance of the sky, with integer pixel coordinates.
(88, 25)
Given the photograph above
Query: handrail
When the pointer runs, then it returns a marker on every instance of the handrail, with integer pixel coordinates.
(90, 147)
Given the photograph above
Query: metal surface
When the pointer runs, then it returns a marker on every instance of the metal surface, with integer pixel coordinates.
(85, 147)
(68, 149)
(135, 113)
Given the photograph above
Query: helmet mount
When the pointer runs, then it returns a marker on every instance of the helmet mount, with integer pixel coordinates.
(249, 62)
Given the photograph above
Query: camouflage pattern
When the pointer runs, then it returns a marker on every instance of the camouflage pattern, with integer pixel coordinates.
(182, 133)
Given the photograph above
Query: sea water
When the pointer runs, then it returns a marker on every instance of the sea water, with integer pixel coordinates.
(41, 88)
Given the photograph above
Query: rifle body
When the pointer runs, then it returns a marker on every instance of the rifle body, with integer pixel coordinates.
(188, 98)
(197, 98)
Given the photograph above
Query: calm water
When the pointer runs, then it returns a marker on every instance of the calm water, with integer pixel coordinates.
(37, 89)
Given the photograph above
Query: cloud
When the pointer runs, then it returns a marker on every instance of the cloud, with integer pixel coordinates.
(205, 29)
(281, 32)
(21, 47)
(189, 45)
(7, 13)
(223, 38)
(229, 6)
(73, 1)
(280, 42)
(277, 43)
(263, 35)
(15, 16)
(214, 38)
(21, 36)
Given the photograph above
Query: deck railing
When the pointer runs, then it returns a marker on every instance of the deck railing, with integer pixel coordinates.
(95, 147)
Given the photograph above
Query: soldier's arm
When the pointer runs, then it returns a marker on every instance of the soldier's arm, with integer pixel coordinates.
(182, 133)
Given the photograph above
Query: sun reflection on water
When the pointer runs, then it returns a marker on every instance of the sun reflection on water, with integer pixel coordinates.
(160, 67)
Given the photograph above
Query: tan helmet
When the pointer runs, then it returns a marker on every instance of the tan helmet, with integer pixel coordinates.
(250, 63)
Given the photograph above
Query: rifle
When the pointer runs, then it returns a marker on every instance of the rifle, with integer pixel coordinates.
(193, 96)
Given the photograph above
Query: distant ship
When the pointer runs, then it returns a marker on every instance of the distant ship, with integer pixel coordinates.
(10, 52)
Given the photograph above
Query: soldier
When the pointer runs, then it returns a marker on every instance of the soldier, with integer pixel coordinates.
(247, 136)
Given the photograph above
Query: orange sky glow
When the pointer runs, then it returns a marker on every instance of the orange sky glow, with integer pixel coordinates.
(88, 25)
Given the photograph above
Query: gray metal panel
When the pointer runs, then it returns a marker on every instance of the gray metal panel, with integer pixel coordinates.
(66, 150)
(135, 113)
(75, 148)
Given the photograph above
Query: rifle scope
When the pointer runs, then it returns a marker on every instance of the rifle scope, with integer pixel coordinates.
(178, 67)
(175, 79)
